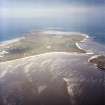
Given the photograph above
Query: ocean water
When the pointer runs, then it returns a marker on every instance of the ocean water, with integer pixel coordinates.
(92, 25)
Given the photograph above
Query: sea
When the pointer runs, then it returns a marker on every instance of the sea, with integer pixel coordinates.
(92, 25)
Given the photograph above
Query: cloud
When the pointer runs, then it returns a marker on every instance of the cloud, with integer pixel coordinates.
(50, 12)
(51, 2)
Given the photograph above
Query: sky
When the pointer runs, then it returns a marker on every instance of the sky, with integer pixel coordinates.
(60, 1)
(48, 8)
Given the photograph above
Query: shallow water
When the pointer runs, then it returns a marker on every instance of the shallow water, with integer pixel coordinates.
(91, 46)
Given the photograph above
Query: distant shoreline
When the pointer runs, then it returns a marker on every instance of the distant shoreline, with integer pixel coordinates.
(11, 41)
(36, 43)
(7, 42)
(51, 32)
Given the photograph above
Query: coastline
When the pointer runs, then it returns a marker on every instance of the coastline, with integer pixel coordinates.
(83, 42)
(49, 32)
(7, 42)
(76, 47)
(91, 45)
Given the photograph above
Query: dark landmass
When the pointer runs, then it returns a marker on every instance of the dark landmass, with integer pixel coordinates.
(99, 61)
(56, 78)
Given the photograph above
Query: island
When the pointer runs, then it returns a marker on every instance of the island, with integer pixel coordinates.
(49, 68)
(41, 42)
